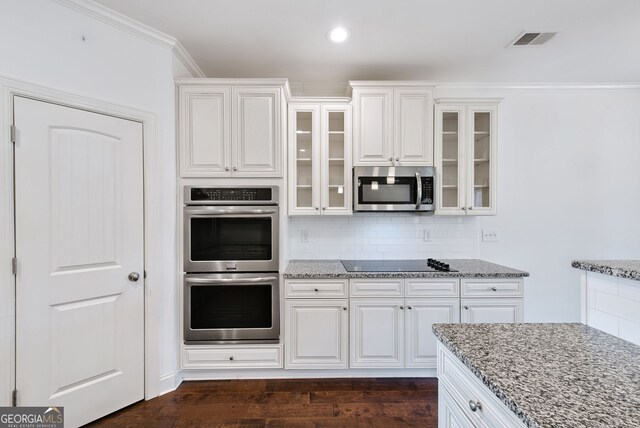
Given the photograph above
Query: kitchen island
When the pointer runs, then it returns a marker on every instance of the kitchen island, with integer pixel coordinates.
(610, 296)
(536, 375)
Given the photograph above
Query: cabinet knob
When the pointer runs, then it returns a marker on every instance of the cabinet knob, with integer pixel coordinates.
(230, 358)
(391, 159)
(466, 307)
(324, 208)
(470, 208)
(473, 405)
(344, 308)
(315, 208)
(315, 289)
(235, 168)
(494, 289)
(408, 307)
(226, 168)
(464, 208)
(397, 159)
(401, 307)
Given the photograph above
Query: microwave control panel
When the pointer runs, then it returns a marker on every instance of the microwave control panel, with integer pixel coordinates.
(427, 190)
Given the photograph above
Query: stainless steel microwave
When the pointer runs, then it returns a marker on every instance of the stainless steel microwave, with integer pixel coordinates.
(393, 188)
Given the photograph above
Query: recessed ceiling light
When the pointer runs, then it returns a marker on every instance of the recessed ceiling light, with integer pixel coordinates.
(338, 35)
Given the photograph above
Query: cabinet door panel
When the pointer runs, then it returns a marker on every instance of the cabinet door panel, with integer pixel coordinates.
(372, 126)
(376, 333)
(257, 136)
(421, 314)
(491, 310)
(481, 190)
(316, 333)
(449, 159)
(304, 158)
(204, 131)
(336, 159)
(413, 143)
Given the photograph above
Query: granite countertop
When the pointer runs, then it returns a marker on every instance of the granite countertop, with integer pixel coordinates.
(318, 269)
(621, 268)
(552, 375)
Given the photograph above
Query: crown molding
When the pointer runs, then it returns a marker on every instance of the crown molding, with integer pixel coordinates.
(122, 22)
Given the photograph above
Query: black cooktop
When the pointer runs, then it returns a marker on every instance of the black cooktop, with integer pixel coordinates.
(429, 265)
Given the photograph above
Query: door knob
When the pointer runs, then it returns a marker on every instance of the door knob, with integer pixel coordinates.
(134, 276)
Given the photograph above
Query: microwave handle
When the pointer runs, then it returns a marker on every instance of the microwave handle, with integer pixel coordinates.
(418, 190)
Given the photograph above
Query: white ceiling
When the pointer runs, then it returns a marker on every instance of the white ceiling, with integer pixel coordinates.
(436, 40)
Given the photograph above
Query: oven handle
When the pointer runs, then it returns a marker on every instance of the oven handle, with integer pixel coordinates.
(418, 190)
(230, 280)
(223, 211)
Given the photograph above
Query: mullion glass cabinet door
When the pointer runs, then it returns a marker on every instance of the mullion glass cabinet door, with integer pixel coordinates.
(336, 171)
(304, 159)
(451, 186)
(481, 182)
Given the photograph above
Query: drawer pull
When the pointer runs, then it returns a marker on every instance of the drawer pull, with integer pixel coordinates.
(315, 289)
(466, 307)
(494, 289)
(408, 307)
(230, 358)
(474, 405)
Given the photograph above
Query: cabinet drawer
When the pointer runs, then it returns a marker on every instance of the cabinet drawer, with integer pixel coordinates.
(465, 387)
(202, 357)
(492, 288)
(322, 288)
(377, 287)
(447, 287)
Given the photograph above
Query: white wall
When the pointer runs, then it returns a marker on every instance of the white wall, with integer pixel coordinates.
(42, 44)
(568, 188)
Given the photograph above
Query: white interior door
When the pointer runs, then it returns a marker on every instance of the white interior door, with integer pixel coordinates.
(79, 234)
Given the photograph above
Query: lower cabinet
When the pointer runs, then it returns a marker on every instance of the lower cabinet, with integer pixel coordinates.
(464, 401)
(316, 333)
(386, 323)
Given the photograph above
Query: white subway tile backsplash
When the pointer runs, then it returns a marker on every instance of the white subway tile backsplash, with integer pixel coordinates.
(613, 306)
(383, 236)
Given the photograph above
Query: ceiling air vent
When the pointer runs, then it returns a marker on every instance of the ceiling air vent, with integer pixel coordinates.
(530, 38)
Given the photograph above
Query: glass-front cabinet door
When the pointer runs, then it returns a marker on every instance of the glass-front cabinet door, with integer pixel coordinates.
(304, 169)
(465, 147)
(336, 159)
(320, 159)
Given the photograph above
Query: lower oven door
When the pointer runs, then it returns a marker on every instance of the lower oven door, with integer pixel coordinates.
(231, 307)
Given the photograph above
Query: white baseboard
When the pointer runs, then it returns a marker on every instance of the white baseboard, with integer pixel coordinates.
(170, 382)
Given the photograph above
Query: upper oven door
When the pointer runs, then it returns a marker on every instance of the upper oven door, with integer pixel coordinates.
(393, 189)
(230, 239)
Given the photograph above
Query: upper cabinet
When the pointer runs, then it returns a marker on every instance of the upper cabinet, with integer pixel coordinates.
(393, 124)
(465, 156)
(320, 158)
(231, 129)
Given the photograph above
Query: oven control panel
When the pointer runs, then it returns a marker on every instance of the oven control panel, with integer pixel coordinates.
(196, 195)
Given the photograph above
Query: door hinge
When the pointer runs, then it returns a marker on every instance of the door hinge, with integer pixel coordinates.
(13, 133)
(14, 266)
(14, 398)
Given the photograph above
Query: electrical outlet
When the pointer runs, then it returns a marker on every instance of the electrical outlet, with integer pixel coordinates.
(426, 235)
(304, 235)
(490, 235)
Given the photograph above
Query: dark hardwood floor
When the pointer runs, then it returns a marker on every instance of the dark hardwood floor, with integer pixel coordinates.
(380, 402)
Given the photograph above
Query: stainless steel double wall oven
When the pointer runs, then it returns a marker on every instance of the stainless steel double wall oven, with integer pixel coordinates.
(231, 264)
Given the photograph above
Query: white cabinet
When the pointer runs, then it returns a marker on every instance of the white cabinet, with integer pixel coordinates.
(388, 330)
(230, 357)
(420, 315)
(491, 300)
(464, 401)
(316, 333)
(316, 324)
(228, 130)
(377, 332)
(320, 158)
(465, 151)
(392, 124)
